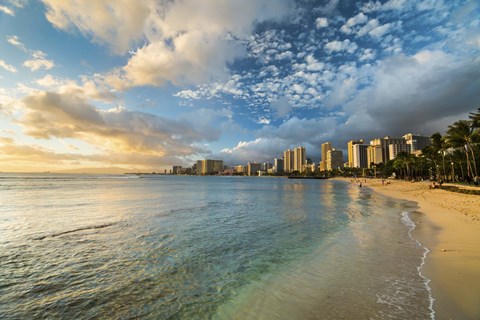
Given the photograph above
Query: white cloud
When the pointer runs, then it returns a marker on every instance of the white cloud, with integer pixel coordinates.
(7, 67)
(313, 64)
(321, 23)
(429, 5)
(263, 120)
(374, 29)
(39, 61)
(7, 10)
(188, 94)
(389, 5)
(367, 54)
(90, 87)
(116, 23)
(360, 18)
(187, 42)
(337, 46)
(15, 41)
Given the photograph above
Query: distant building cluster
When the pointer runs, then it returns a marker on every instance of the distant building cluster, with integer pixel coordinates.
(295, 161)
(381, 150)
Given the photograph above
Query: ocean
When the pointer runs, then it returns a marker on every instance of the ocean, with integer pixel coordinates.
(188, 247)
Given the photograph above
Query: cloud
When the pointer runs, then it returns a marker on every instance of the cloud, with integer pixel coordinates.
(197, 58)
(372, 6)
(128, 134)
(7, 67)
(281, 107)
(353, 21)
(115, 23)
(7, 10)
(414, 93)
(39, 61)
(367, 54)
(15, 41)
(271, 141)
(337, 46)
(17, 157)
(263, 120)
(90, 87)
(185, 42)
(321, 23)
(258, 150)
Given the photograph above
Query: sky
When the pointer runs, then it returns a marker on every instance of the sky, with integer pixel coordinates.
(144, 85)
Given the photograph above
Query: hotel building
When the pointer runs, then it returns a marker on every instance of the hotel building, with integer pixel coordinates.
(395, 148)
(350, 145)
(278, 165)
(334, 159)
(288, 156)
(374, 155)
(299, 159)
(416, 142)
(207, 167)
(325, 148)
(360, 159)
(253, 168)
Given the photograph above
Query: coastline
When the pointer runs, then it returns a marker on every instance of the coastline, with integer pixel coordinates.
(448, 224)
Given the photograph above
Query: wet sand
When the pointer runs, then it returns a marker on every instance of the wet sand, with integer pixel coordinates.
(449, 225)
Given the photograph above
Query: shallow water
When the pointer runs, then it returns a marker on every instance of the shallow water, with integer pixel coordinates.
(167, 247)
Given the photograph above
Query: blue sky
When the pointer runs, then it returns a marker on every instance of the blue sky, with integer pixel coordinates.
(151, 84)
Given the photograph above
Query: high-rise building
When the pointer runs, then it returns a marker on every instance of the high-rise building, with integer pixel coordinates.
(177, 170)
(266, 166)
(416, 141)
(278, 165)
(374, 155)
(299, 159)
(288, 156)
(334, 159)
(350, 145)
(325, 147)
(395, 148)
(253, 168)
(207, 167)
(241, 169)
(384, 143)
(360, 156)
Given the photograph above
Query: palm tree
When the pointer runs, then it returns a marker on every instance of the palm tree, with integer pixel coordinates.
(436, 140)
(462, 134)
(475, 119)
(404, 162)
(429, 153)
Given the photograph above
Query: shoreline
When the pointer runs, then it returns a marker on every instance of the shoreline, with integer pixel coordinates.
(448, 224)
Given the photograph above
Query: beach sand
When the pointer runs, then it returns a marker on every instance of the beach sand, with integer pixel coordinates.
(448, 224)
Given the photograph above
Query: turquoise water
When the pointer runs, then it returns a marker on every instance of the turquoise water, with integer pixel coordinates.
(168, 247)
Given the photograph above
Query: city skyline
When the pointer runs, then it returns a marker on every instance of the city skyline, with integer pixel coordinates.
(359, 155)
(149, 85)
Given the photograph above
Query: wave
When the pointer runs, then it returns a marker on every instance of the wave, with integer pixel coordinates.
(100, 226)
(411, 225)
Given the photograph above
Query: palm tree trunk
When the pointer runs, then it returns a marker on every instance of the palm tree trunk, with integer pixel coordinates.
(469, 166)
(474, 162)
(443, 163)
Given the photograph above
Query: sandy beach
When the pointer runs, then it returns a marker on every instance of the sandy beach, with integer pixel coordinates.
(449, 226)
